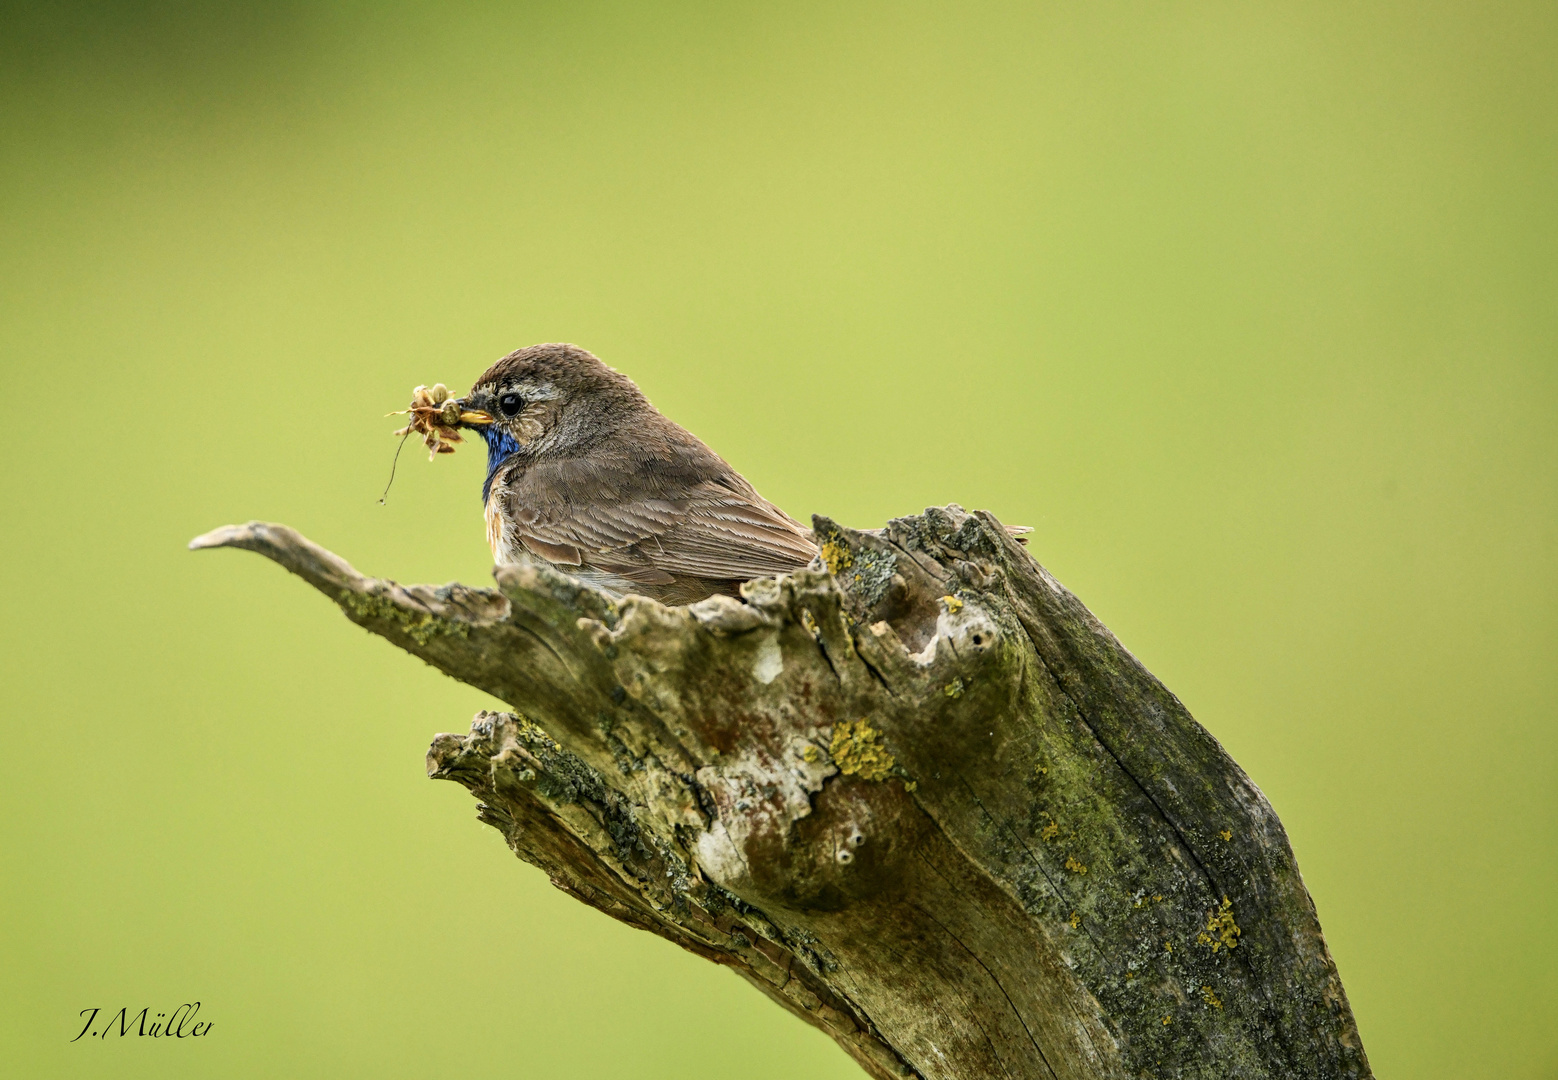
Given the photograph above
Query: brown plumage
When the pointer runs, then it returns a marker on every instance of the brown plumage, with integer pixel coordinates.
(585, 474)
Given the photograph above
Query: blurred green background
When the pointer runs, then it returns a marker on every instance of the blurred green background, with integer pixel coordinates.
(1251, 310)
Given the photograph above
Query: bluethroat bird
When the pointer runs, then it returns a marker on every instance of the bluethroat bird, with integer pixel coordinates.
(585, 474)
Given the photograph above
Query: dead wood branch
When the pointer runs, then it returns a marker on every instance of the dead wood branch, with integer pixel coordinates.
(918, 796)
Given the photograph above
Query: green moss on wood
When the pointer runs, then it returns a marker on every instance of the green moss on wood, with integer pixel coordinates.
(419, 626)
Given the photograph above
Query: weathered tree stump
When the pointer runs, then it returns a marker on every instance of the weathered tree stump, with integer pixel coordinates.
(918, 796)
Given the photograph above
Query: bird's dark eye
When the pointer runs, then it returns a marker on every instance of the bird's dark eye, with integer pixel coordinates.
(511, 404)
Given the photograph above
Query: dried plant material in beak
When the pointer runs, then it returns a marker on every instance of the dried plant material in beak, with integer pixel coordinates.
(435, 416)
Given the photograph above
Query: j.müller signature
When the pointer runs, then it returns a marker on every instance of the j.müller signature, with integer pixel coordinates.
(179, 1024)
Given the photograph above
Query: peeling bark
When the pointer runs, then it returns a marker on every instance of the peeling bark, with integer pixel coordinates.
(917, 795)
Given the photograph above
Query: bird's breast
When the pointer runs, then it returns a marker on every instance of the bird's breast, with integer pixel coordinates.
(495, 528)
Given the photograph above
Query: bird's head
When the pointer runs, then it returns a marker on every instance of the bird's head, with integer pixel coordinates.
(550, 400)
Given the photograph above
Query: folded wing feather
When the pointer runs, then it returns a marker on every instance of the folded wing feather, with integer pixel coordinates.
(718, 529)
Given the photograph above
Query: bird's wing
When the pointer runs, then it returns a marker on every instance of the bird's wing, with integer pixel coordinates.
(648, 527)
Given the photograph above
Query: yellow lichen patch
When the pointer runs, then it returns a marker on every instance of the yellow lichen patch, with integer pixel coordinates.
(810, 753)
(1168, 946)
(1167, 1020)
(836, 557)
(1226, 834)
(1221, 931)
(955, 688)
(1210, 997)
(857, 750)
(1040, 770)
(534, 733)
(1051, 831)
(1074, 866)
(1075, 921)
(911, 785)
(954, 605)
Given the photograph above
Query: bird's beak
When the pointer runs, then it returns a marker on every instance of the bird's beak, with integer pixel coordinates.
(473, 417)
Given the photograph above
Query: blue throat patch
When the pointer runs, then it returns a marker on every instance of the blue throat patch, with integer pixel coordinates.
(500, 444)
